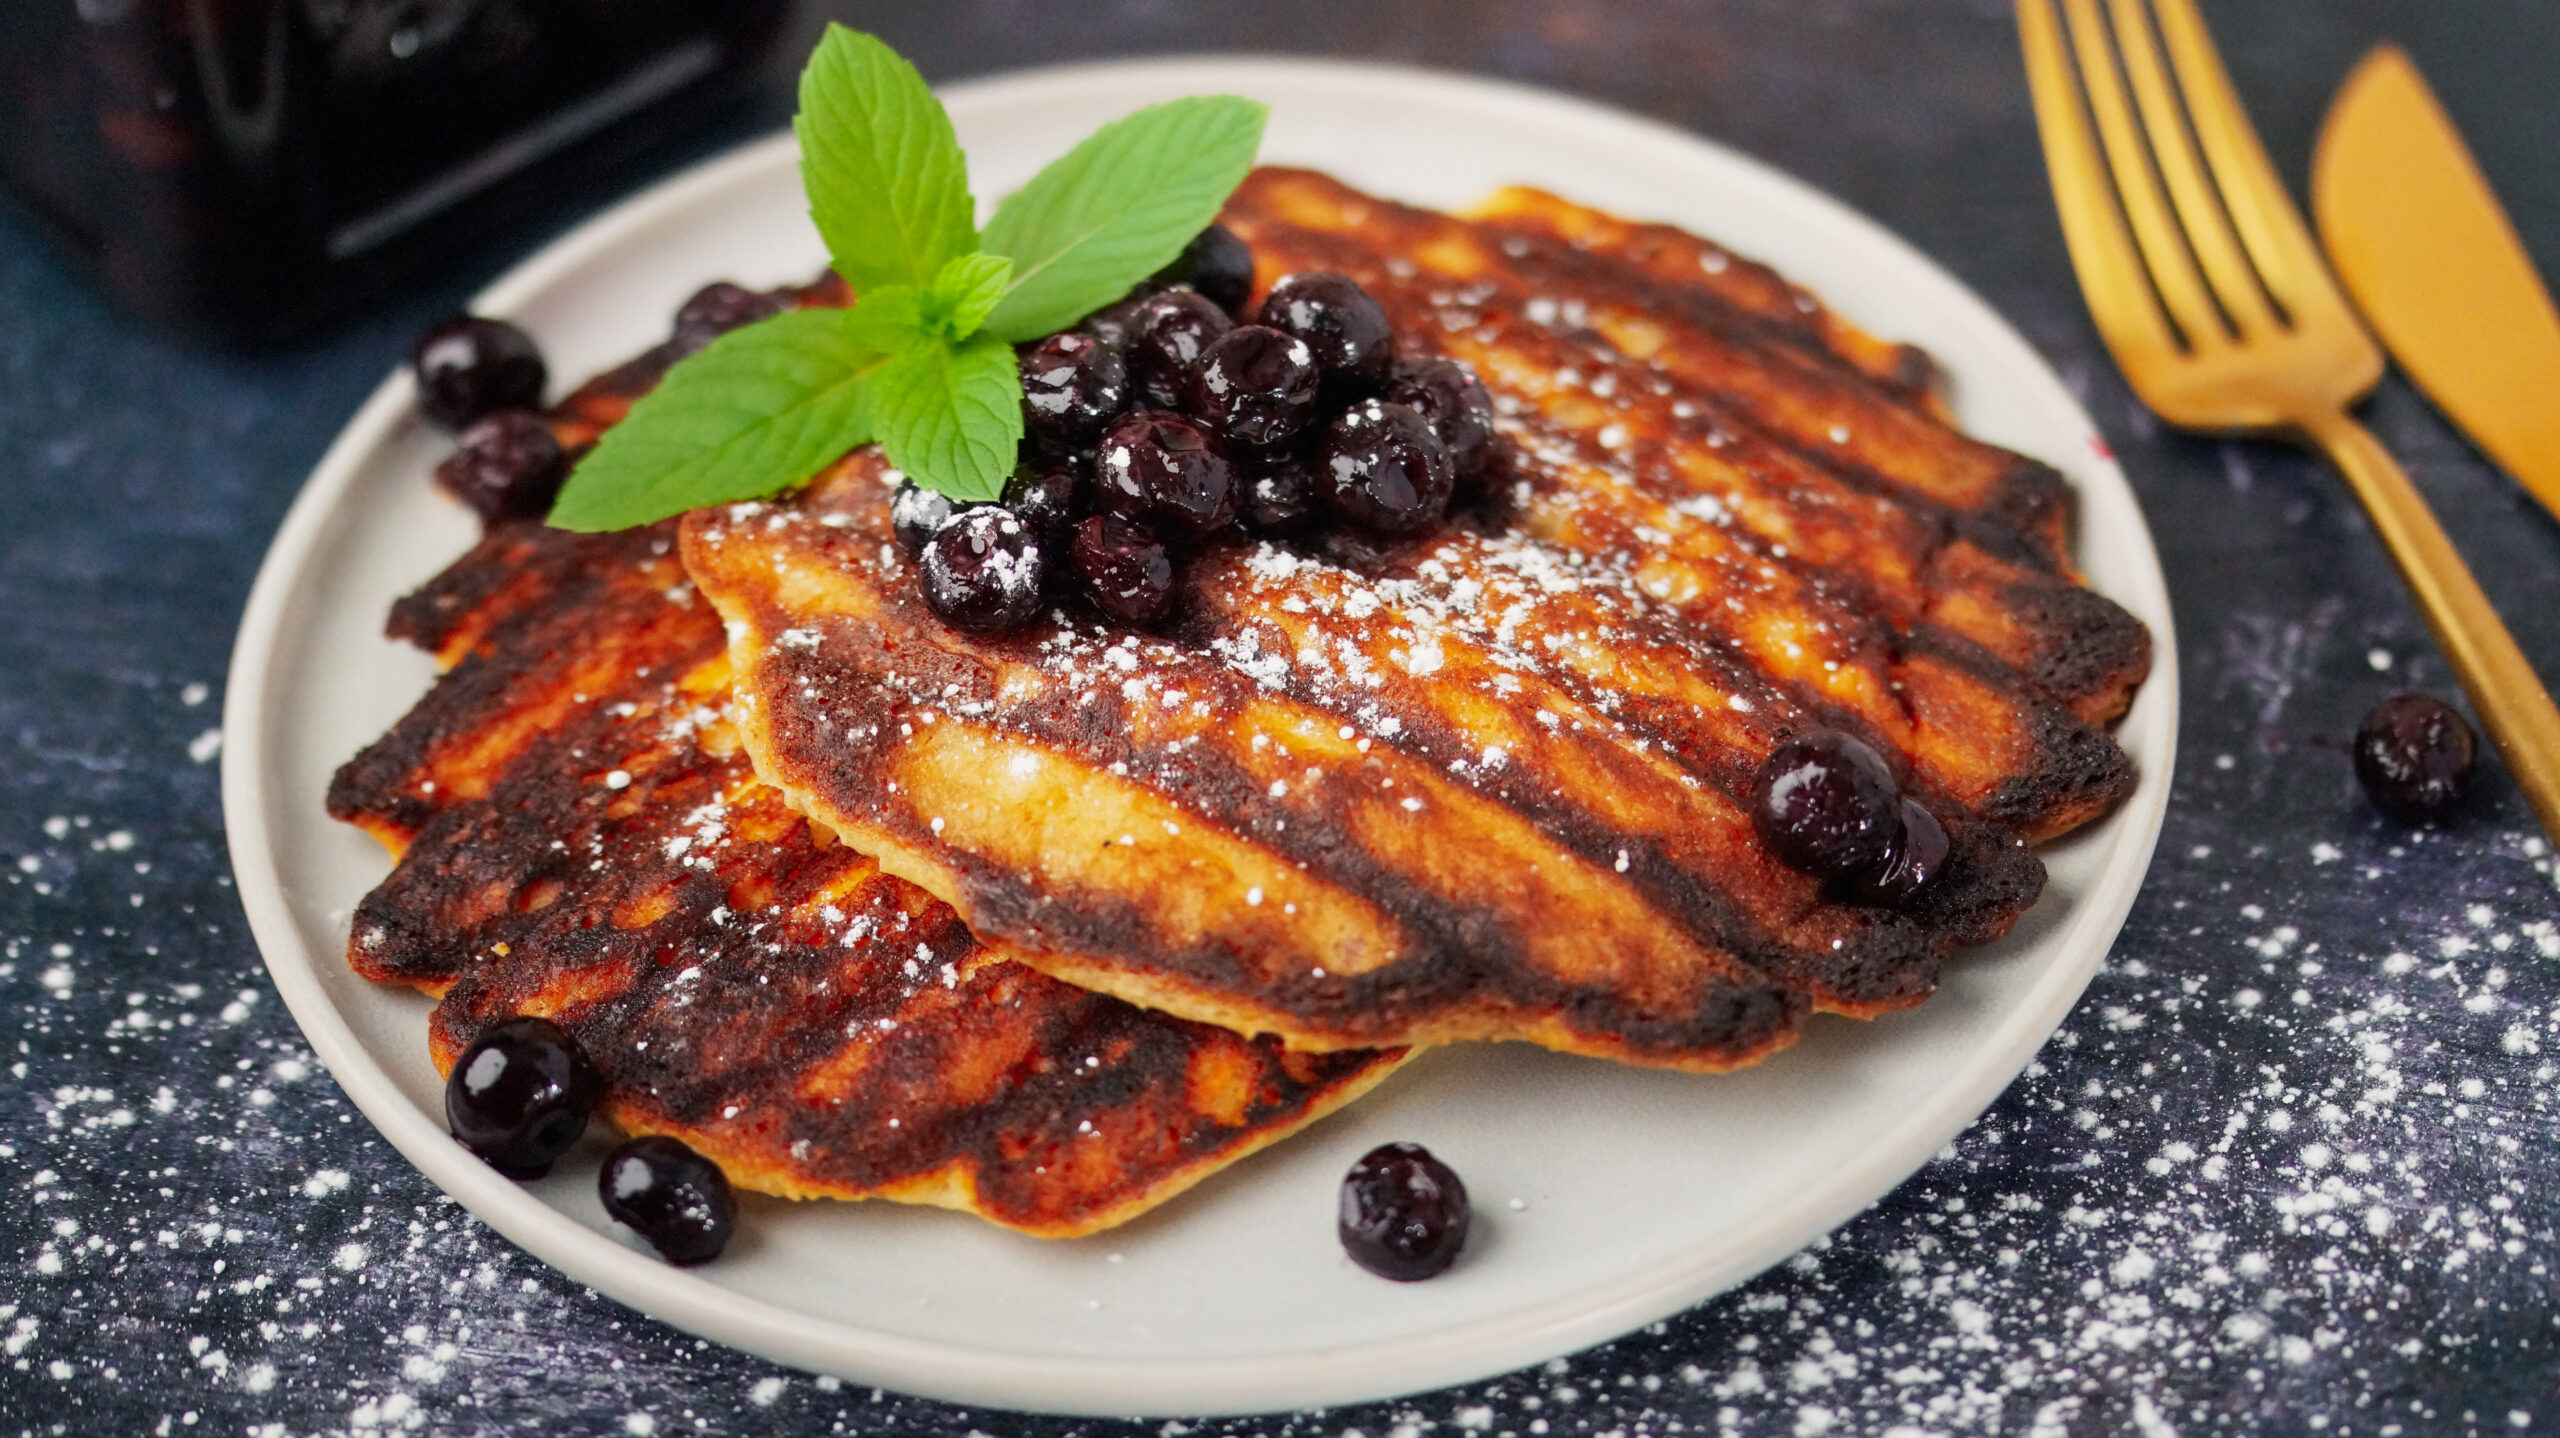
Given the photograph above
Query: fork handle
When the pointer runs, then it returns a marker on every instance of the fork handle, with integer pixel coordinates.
(2503, 687)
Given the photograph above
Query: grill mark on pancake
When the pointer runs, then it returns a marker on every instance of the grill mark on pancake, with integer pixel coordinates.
(1682, 260)
(1697, 339)
(706, 974)
(1871, 518)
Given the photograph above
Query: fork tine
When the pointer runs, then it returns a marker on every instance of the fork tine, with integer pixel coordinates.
(2278, 242)
(2208, 230)
(2103, 251)
(2155, 225)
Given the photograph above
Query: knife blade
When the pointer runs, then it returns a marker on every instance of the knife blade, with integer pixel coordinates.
(2413, 230)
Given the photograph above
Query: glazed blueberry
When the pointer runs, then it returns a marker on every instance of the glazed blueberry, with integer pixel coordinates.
(469, 367)
(1172, 329)
(983, 570)
(1826, 804)
(1383, 469)
(673, 1197)
(2414, 756)
(1217, 264)
(520, 1094)
(1072, 385)
(718, 308)
(1125, 570)
(1404, 1213)
(916, 512)
(1449, 395)
(1279, 491)
(1116, 324)
(1917, 861)
(1254, 386)
(1164, 471)
(1346, 328)
(1042, 494)
(506, 466)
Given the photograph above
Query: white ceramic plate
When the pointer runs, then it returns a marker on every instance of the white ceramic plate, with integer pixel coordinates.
(1606, 1197)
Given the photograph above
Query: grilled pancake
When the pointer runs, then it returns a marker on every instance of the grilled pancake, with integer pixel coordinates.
(1491, 784)
(579, 837)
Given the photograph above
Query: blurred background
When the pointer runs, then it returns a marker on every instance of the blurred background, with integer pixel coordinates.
(255, 172)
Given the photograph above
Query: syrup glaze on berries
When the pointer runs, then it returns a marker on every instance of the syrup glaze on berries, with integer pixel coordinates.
(520, 1095)
(1072, 384)
(1383, 469)
(1341, 322)
(983, 570)
(1826, 803)
(1254, 386)
(670, 1195)
(1404, 1214)
(1164, 471)
(1171, 330)
(1125, 570)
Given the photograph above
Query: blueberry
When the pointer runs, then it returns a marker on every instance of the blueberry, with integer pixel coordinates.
(1217, 264)
(1254, 386)
(1450, 396)
(1916, 863)
(1043, 493)
(983, 570)
(1404, 1213)
(673, 1197)
(1172, 329)
(1383, 469)
(506, 466)
(1125, 570)
(2414, 756)
(1826, 804)
(916, 512)
(1346, 328)
(1072, 385)
(1279, 490)
(520, 1094)
(718, 308)
(1164, 471)
(468, 367)
(1116, 324)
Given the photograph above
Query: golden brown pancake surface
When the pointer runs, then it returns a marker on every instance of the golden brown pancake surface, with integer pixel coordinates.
(580, 838)
(1490, 784)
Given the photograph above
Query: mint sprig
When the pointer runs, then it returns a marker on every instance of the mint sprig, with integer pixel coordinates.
(923, 362)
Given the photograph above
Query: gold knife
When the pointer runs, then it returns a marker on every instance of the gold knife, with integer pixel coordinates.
(2413, 230)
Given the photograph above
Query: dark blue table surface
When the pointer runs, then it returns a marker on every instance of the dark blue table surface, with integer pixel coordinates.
(2290, 1167)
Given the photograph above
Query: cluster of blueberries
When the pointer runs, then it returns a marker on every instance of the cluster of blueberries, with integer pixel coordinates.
(1161, 421)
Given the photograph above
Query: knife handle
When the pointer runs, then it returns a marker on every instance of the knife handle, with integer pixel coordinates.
(2503, 687)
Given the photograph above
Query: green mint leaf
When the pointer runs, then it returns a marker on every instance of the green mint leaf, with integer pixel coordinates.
(900, 317)
(764, 408)
(893, 320)
(1117, 208)
(967, 290)
(888, 186)
(950, 416)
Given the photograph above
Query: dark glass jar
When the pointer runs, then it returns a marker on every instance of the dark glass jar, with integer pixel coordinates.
(246, 169)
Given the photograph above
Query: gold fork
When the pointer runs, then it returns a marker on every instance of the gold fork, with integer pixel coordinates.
(2211, 295)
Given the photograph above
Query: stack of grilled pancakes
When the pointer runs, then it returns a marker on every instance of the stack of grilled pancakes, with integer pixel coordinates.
(1050, 925)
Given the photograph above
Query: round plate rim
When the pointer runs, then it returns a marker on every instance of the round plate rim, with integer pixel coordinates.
(1087, 1385)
